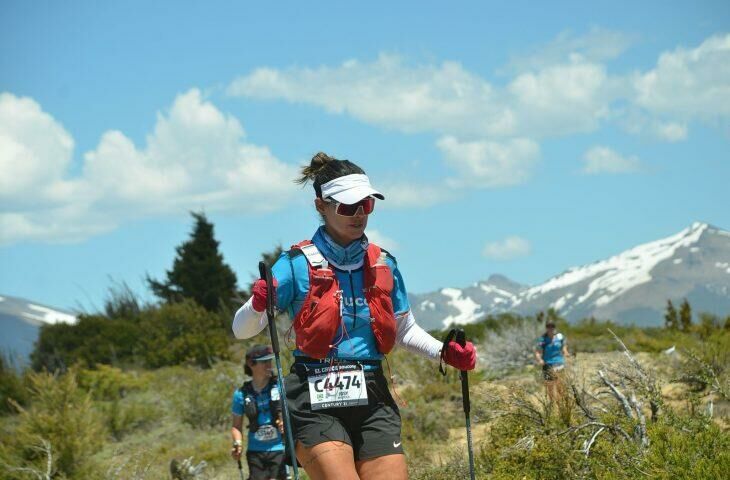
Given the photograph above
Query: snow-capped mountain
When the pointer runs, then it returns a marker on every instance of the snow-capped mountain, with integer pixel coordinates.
(631, 287)
(20, 320)
(453, 305)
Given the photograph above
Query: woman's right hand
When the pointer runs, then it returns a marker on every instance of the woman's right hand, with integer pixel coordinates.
(259, 291)
(236, 452)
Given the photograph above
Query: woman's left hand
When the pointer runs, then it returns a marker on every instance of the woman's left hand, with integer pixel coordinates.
(462, 358)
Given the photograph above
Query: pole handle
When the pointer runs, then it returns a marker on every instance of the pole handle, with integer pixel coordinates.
(461, 340)
(265, 274)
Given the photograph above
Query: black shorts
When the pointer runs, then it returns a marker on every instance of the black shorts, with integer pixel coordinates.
(551, 372)
(373, 430)
(266, 465)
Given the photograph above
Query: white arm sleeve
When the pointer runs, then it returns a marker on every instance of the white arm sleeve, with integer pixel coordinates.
(413, 338)
(248, 322)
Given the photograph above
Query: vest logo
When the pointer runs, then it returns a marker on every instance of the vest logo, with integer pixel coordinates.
(360, 302)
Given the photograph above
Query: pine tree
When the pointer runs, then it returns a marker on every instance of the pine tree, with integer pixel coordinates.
(198, 271)
(685, 316)
(671, 321)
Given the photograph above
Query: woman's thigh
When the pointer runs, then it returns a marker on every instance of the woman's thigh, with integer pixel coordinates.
(387, 467)
(328, 461)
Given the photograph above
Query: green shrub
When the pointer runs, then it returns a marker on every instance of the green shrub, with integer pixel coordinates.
(93, 339)
(105, 382)
(62, 415)
(123, 417)
(183, 333)
(11, 387)
(203, 398)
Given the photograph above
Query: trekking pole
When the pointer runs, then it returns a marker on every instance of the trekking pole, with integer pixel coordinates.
(461, 340)
(240, 468)
(266, 275)
(460, 337)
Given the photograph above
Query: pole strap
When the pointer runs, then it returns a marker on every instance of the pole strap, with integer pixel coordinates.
(449, 336)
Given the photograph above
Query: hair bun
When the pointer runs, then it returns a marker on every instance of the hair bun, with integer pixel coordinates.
(319, 162)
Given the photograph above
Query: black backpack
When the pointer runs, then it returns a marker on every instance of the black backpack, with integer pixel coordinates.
(250, 407)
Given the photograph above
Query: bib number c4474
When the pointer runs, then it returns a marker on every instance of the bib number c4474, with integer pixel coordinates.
(337, 386)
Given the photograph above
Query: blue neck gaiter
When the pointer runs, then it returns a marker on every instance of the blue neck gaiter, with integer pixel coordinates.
(351, 254)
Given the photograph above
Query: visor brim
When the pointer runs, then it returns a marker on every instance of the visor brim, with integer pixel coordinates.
(354, 195)
(265, 357)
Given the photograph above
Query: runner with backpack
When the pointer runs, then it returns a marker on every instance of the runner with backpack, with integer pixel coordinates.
(260, 402)
(349, 307)
(551, 352)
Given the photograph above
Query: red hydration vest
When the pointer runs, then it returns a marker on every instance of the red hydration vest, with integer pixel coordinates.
(316, 322)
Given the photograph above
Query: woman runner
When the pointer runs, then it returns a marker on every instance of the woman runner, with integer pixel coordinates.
(259, 401)
(349, 307)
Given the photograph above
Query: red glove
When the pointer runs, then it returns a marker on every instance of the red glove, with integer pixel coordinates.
(259, 291)
(462, 358)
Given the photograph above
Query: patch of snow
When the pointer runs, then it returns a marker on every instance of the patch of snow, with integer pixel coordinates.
(725, 265)
(677, 261)
(427, 305)
(486, 288)
(622, 272)
(469, 310)
(2, 299)
(48, 315)
(694, 249)
(560, 302)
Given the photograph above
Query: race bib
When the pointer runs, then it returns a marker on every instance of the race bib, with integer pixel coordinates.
(337, 386)
(266, 433)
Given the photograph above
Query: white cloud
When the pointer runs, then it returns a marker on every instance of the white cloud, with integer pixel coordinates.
(601, 159)
(597, 45)
(497, 127)
(507, 249)
(638, 122)
(689, 83)
(381, 240)
(562, 98)
(196, 157)
(564, 89)
(671, 131)
(35, 151)
(386, 92)
(490, 164)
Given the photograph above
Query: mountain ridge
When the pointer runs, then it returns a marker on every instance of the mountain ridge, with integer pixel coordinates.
(630, 287)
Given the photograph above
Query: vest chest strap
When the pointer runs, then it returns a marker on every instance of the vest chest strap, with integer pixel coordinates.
(314, 256)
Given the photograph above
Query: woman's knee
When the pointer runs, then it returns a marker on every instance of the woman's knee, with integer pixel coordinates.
(327, 461)
(387, 467)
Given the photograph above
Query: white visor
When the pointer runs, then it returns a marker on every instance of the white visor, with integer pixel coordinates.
(350, 189)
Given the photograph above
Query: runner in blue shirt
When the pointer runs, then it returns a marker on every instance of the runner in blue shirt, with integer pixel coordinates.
(349, 307)
(259, 400)
(551, 352)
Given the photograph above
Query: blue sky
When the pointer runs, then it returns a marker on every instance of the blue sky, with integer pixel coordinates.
(519, 139)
